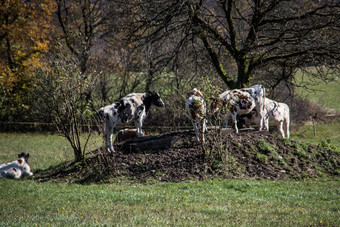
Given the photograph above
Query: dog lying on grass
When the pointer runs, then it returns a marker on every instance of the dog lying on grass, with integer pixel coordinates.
(16, 169)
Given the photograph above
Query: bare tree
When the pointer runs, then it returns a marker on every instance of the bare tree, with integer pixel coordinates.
(61, 92)
(82, 22)
(252, 33)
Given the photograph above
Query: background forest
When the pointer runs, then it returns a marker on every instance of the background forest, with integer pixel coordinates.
(61, 60)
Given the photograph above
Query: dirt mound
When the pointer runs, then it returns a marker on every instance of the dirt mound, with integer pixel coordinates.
(178, 157)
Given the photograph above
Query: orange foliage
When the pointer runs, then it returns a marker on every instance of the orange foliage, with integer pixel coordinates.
(25, 32)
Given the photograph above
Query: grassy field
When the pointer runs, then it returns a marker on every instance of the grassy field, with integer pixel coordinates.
(215, 202)
(327, 95)
(321, 92)
(330, 131)
(200, 203)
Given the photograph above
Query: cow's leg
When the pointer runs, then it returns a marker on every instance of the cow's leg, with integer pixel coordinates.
(203, 129)
(287, 127)
(197, 130)
(261, 118)
(141, 115)
(266, 123)
(205, 122)
(280, 128)
(139, 127)
(109, 126)
(234, 118)
(226, 122)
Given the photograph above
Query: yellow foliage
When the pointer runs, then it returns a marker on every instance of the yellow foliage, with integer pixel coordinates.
(27, 28)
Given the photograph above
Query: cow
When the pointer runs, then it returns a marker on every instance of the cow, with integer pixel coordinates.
(258, 92)
(126, 134)
(133, 107)
(236, 102)
(16, 169)
(276, 114)
(196, 109)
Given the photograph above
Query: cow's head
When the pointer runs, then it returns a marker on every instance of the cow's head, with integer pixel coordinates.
(155, 98)
(24, 155)
(194, 92)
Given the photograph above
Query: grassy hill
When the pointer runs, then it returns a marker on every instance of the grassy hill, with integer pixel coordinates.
(321, 92)
(327, 95)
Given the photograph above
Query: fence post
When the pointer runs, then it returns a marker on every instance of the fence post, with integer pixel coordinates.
(313, 119)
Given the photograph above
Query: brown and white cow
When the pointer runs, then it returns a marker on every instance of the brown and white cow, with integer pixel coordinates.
(276, 114)
(196, 110)
(126, 134)
(235, 102)
(258, 92)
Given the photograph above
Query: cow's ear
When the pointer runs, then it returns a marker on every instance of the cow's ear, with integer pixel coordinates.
(20, 161)
(28, 155)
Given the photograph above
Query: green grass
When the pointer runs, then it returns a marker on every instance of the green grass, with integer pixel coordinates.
(215, 202)
(200, 203)
(327, 95)
(45, 149)
(322, 92)
(330, 131)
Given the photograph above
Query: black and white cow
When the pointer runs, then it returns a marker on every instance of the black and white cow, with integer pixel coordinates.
(133, 107)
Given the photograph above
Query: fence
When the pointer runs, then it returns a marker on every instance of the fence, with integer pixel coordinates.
(49, 127)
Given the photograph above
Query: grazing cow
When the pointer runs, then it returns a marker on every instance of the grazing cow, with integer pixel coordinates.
(196, 109)
(258, 93)
(133, 107)
(16, 169)
(276, 114)
(236, 102)
(126, 134)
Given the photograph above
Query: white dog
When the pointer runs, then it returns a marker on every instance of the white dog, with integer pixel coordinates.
(16, 169)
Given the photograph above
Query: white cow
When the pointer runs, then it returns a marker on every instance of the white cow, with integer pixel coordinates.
(133, 107)
(16, 169)
(196, 109)
(276, 114)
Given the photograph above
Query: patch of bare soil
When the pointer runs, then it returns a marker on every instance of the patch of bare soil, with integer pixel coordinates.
(178, 157)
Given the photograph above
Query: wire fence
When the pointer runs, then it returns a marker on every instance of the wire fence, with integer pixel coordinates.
(10, 126)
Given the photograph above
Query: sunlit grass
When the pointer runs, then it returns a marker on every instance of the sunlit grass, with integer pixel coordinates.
(215, 202)
(324, 132)
(321, 92)
(45, 149)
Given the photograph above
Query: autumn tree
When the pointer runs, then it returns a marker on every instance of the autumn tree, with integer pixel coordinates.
(25, 27)
(254, 34)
